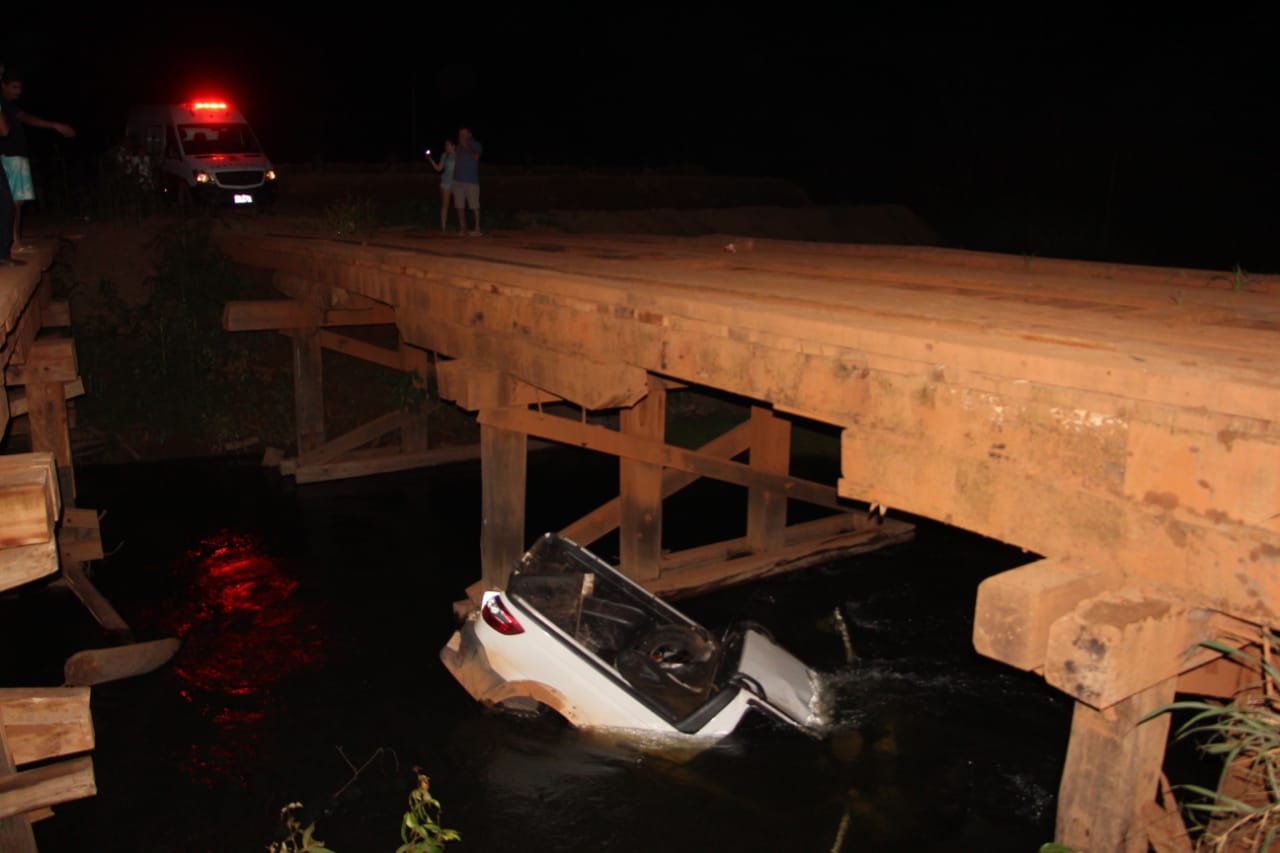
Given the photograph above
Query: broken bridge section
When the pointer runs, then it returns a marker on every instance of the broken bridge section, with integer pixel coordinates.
(1118, 422)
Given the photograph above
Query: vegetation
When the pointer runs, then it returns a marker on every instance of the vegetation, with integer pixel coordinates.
(1243, 812)
(420, 829)
(165, 375)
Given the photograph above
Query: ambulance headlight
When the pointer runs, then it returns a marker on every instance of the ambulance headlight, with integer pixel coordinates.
(203, 178)
(270, 174)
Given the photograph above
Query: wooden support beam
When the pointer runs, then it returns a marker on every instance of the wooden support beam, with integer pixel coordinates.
(503, 466)
(45, 722)
(1016, 608)
(50, 431)
(725, 563)
(1120, 643)
(473, 386)
(93, 600)
(1221, 678)
(97, 666)
(605, 518)
(640, 487)
(29, 498)
(270, 314)
(18, 400)
(366, 463)
(46, 786)
(770, 451)
(604, 440)
(308, 388)
(415, 435)
(353, 347)
(51, 359)
(1112, 773)
(582, 380)
(349, 441)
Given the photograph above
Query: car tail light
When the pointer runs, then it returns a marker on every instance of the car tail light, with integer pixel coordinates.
(498, 617)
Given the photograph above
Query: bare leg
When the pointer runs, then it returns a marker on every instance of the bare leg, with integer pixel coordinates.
(476, 211)
(17, 225)
(444, 208)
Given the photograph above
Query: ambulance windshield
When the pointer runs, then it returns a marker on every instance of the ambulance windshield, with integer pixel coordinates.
(218, 138)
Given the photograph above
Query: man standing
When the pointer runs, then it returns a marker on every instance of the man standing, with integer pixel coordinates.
(466, 180)
(6, 206)
(13, 148)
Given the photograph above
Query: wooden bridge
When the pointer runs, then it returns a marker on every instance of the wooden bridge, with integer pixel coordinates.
(1117, 422)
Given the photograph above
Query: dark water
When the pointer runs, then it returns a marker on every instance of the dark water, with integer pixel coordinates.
(311, 619)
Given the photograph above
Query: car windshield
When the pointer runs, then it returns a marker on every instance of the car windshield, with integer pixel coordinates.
(218, 138)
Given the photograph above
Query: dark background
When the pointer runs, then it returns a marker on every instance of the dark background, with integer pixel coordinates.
(1130, 135)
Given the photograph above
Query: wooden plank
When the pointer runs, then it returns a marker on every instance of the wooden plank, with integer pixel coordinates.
(1221, 678)
(384, 461)
(50, 359)
(1112, 771)
(1016, 608)
(605, 518)
(770, 451)
(27, 563)
(608, 441)
(46, 786)
(308, 389)
(640, 487)
(349, 441)
(45, 722)
(808, 551)
(503, 466)
(1119, 643)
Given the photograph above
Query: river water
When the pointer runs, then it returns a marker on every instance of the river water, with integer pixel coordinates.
(311, 618)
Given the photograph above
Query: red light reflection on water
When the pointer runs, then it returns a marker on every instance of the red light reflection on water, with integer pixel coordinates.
(243, 632)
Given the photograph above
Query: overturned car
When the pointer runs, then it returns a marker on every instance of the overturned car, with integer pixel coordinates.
(573, 634)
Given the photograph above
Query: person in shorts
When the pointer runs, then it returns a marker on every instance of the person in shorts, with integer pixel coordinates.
(445, 167)
(13, 148)
(466, 180)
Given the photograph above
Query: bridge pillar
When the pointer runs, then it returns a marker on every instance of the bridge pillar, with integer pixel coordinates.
(767, 508)
(502, 493)
(640, 487)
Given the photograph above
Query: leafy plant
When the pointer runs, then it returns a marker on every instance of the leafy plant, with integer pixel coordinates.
(420, 830)
(301, 838)
(1243, 813)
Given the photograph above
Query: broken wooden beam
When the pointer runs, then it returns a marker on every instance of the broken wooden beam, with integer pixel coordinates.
(47, 785)
(27, 563)
(1117, 644)
(97, 666)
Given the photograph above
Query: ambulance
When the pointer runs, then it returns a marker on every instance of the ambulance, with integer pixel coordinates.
(202, 152)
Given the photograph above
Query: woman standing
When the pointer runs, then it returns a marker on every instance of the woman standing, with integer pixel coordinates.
(445, 168)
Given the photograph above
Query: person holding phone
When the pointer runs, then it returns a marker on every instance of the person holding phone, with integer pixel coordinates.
(445, 168)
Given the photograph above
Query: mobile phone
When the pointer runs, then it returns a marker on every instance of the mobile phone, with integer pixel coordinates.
(428, 152)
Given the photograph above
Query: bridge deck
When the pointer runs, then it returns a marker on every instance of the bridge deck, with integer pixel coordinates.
(1118, 416)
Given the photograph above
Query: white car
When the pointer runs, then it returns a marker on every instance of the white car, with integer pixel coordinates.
(573, 634)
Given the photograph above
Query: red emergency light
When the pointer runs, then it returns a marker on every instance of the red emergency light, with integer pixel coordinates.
(200, 106)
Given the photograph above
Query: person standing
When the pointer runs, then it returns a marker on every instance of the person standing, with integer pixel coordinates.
(466, 180)
(13, 148)
(445, 167)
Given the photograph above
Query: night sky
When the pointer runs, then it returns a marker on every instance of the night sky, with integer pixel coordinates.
(1151, 124)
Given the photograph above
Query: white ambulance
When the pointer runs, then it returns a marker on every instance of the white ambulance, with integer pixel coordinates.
(202, 151)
